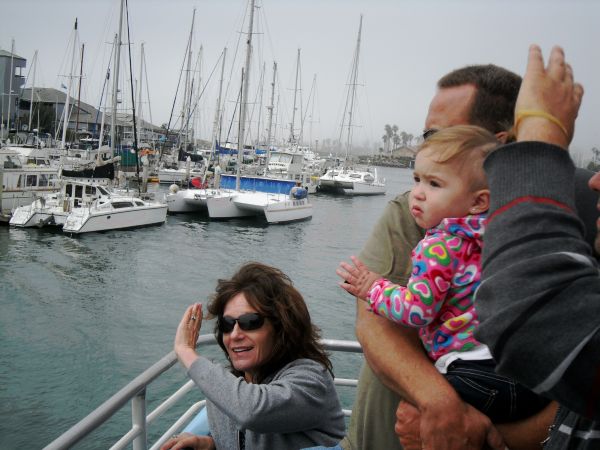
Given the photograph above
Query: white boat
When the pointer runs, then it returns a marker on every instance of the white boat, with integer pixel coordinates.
(277, 200)
(21, 183)
(86, 204)
(53, 209)
(118, 212)
(188, 200)
(352, 181)
(346, 179)
(292, 165)
(275, 208)
(178, 176)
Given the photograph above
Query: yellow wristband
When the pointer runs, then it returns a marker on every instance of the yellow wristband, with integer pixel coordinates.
(520, 115)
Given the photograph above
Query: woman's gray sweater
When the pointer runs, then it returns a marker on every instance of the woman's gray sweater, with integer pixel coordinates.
(295, 408)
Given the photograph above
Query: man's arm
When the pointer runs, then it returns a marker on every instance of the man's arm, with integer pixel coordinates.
(396, 355)
(548, 335)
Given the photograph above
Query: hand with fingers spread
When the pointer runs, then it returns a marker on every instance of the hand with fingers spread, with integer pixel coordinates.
(187, 334)
(358, 279)
(548, 100)
(189, 441)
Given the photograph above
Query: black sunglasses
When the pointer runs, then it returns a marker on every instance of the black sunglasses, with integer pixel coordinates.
(429, 132)
(247, 322)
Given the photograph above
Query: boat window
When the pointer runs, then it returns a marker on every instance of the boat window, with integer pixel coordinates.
(53, 179)
(355, 175)
(78, 191)
(122, 204)
(31, 180)
(103, 191)
(11, 163)
(69, 190)
(43, 180)
(89, 190)
(139, 203)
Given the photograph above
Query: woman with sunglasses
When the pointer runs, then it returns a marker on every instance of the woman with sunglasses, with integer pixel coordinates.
(279, 391)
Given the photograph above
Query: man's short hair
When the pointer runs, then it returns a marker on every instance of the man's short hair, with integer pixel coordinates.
(497, 90)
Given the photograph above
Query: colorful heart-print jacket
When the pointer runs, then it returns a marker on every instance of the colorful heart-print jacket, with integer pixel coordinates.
(438, 297)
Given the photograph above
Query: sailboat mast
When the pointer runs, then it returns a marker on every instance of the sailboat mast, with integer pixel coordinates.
(295, 96)
(246, 79)
(196, 123)
(69, 83)
(139, 102)
(79, 89)
(115, 90)
(353, 82)
(260, 103)
(12, 74)
(185, 111)
(216, 123)
(32, 90)
(270, 108)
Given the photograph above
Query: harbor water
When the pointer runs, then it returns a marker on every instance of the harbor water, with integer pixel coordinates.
(82, 316)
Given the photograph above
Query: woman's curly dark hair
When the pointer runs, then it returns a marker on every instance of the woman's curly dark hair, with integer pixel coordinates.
(272, 294)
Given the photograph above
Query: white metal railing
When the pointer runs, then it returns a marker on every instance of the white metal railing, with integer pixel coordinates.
(135, 392)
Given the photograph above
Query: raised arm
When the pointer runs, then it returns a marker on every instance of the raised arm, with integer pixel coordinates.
(547, 335)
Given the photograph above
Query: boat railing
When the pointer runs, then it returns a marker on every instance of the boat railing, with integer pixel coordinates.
(135, 393)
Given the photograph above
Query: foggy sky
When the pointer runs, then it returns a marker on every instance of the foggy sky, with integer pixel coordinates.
(406, 46)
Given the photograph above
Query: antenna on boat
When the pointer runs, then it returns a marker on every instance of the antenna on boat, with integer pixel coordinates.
(135, 141)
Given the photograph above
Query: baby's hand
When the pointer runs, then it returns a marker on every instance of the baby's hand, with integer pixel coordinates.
(358, 279)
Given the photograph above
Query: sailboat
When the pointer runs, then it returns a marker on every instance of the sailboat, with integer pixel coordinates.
(346, 179)
(86, 202)
(277, 201)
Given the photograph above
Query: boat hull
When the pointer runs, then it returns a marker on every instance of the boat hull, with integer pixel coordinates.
(289, 211)
(222, 206)
(188, 200)
(86, 220)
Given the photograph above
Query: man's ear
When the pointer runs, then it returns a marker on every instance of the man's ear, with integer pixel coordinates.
(481, 201)
(502, 136)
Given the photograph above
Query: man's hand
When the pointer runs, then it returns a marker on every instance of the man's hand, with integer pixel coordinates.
(445, 427)
(550, 90)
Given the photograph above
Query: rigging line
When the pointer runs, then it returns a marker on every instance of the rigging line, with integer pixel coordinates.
(237, 102)
(203, 89)
(135, 142)
(258, 92)
(106, 80)
(310, 93)
(174, 102)
(148, 94)
(61, 67)
(237, 47)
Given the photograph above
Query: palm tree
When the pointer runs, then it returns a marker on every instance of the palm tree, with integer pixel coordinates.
(389, 133)
(395, 133)
(386, 140)
(396, 141)
(403, 136)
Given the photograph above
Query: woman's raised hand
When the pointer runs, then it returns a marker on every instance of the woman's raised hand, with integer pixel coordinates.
(187, 334)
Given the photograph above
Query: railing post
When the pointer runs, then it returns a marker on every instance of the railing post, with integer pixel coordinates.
(138, 420)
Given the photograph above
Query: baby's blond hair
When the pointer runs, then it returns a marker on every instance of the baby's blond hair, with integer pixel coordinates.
(466, 145)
